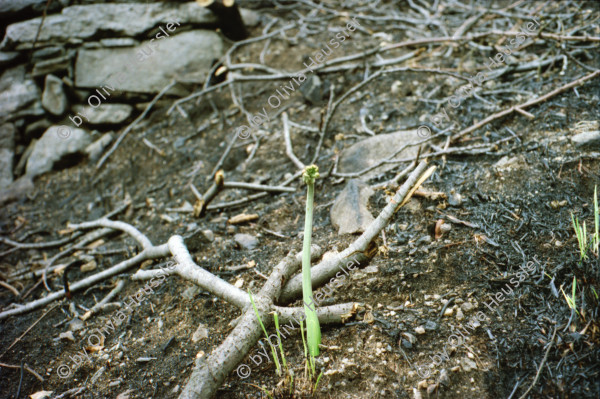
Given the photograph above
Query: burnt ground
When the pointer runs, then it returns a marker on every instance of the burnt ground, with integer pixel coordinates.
(516, 198)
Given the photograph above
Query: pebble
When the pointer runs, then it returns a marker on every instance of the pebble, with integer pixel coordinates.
(200, 333)
(209, 235)
(246, 241)
(444, 378)
(190, 292)
(449, 312)
(467, 307)
(420, 330)
(422, 384)
(468, 364)
(431, 325)
(459, 315)
(431, 389)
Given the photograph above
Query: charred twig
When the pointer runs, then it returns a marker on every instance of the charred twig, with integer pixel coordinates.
(289, 150)
(133, 124)
(120, 285)
(211, 193)
(28, 329)
(149, 252)
(24, 366)
(258, 187)
(529, 103)
(537, 376)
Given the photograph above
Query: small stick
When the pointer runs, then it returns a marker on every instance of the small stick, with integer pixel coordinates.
(39, 245)
(9, 287)
(211, 193)
(258, 187)
(550, 344)
(29, 329)
(98, 306)
(26, 367)
(133, 124)
(288, 143)
(529, 103)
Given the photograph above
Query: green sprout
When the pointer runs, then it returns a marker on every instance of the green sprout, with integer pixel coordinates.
(571, 301)
(279, 340)
(310, 361)
(273, 351)
(581, 231)
(313, 329)
(596, 236)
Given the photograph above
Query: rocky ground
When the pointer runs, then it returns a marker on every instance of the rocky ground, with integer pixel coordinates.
(462, 294)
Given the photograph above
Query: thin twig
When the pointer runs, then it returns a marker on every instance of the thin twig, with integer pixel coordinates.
(133, 124)
(529, 103)
(550, 344)
(289, 150)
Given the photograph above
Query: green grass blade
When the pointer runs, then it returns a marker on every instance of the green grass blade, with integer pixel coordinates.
(279, 340)
(273, 351)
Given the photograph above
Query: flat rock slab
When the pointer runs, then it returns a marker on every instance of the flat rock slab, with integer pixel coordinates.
(188, 54)
(349, 213)
(373, 150)
(84, 22)
(51, 148)
(105, 113)
(128, 19)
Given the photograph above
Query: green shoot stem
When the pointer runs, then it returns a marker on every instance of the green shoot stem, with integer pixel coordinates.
(313, 329)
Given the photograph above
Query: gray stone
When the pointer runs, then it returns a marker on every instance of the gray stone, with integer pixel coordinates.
(86, 21)
(8, 57)
(12, 6)
(209, 235)
(190, 292)
(17, 190)
(54, 65)
(454, 198)
(431, 325)
(444, 378)
(7, 146)
(51, 148)
(20, 168)
(591, 139)
(48, 52)
(54, 99)
(312, 89)
(105, 113)
(371, 151)
(95, 150)
(246, 241)
(119, 42)
(349, 213)
(6, 167)
(7, 136)
(468, 364)
(16, 92)
(200, 333)
(35, 129)
(186, 55)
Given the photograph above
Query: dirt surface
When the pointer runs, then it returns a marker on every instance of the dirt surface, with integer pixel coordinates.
(507, 207)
